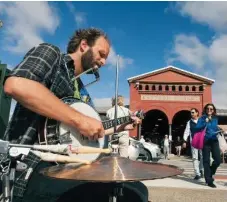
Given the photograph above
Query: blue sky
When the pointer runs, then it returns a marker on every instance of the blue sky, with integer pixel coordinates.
(147, 36)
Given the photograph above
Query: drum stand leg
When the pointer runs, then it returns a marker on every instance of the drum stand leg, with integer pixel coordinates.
(116, 192)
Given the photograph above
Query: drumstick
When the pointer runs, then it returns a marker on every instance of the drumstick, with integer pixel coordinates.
(50, 157)
(88, 150)
(65, 149)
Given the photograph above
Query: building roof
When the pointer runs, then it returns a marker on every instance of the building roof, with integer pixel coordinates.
(172, 68)
(222, 112)
(104, 109)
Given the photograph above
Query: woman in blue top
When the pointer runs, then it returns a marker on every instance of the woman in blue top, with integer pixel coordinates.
(211, 144)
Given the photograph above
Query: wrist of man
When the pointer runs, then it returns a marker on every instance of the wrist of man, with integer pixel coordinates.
(75, 119)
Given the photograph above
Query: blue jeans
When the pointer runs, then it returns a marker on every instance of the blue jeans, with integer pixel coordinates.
(211, 146)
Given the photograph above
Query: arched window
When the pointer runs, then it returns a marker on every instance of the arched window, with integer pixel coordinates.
(153, 87)
(167, 88)
(186, 88)
(193, 88)
(146, 87)
(200, 88)
(173, 88)
(180, 88)
(140, 87)
(160, 88)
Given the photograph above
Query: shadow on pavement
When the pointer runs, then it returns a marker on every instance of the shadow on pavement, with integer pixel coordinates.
(187, 179)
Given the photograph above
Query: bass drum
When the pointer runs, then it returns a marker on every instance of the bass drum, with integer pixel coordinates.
(59, 133)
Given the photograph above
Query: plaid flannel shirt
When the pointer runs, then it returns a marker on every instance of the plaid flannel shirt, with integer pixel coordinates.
(47, 65)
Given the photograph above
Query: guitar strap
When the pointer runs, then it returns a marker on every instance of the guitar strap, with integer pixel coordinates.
(77, 91)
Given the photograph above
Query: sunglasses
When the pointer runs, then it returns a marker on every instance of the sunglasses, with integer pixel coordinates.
(209, 108)
(192, 112)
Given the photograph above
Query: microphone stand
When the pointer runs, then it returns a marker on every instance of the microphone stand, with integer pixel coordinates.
(115, 138)
(117, 188)
(10, 156)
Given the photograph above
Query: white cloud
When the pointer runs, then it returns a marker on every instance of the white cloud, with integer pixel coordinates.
(188, 50)
(218, 55)
(80, 17)
(210, 13)
(123, 62)
(218, 50)
(25, 21)
(206, 60)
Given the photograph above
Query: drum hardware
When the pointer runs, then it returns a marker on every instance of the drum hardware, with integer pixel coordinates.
(116, 95)
(115, 149)
(115, 138)
(12, 154)
(117, 191)
(9, 163)
(114, 170)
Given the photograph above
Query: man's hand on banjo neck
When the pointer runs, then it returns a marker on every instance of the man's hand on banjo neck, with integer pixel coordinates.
(127, 126)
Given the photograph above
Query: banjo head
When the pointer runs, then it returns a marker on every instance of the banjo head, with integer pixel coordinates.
(68, 135)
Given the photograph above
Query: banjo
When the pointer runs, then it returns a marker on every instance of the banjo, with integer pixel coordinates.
(55, 132)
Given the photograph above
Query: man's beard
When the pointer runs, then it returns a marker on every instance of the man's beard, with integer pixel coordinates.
(87, 60)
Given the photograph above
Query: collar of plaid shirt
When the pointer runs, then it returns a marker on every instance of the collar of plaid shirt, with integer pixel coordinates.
(80, 92)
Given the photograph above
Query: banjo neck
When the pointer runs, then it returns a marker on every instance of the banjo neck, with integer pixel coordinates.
(110, 123)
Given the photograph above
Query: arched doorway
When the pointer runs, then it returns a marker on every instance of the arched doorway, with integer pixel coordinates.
(179, 122)
(155, 126)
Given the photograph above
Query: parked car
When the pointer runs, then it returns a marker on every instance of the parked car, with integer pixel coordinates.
(135, 148)
(152, 152)
(225, 153)
(145, 151)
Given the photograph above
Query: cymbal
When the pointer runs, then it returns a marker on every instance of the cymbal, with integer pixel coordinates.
(112, 169)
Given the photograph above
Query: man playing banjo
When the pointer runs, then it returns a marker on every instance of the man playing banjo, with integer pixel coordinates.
(38, 84)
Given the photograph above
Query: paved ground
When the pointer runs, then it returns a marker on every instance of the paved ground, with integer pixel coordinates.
(187, 165)
(159, 194)
(183, 181)
(184, 189)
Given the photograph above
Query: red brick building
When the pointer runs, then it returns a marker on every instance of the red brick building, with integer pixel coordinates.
(166, 95)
